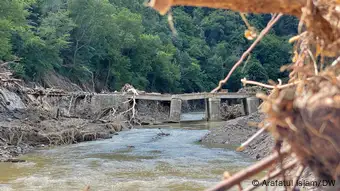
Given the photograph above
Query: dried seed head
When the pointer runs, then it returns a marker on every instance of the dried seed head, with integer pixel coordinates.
(161, 6)
(250, 34)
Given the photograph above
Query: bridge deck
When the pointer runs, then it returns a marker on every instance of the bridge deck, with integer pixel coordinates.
(191, 96)
(156, 96)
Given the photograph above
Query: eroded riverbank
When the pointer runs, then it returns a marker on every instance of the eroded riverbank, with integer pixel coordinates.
(237, 131)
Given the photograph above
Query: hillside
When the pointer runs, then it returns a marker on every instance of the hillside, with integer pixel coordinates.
(101, 45)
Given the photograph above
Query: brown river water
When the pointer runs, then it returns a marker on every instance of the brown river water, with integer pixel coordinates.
(135, 160)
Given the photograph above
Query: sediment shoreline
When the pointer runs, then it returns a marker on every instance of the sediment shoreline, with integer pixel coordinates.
(24, 130)
(236, 131)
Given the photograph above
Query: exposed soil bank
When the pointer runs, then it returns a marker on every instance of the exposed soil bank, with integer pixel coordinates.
(237, 131)
(23, 130)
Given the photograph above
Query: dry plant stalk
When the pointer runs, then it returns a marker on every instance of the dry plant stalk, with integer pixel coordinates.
(253, 6)
(297, 177)
(307, 117)
(274, 174)
(250, 171)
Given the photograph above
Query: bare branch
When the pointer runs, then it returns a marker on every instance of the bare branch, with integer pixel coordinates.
(7, 102)
(314, 20)
(314, 62)
(245, 82)
(274, 174)
(292, 7)
(9, 62)
(336, 61)
(258, 133)
(249, 172)
(246, 53)
(297, 177)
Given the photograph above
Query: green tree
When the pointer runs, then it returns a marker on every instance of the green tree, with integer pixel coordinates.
(12, 20)
(255, 71)
(101, 45)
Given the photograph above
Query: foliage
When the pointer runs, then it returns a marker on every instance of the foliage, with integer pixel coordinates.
(255, 71)
(104, 44)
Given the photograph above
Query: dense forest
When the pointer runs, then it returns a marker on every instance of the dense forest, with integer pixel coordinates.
(103, 44)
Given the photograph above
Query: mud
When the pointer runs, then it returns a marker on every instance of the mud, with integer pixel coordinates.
(23, 130)
(236, 131)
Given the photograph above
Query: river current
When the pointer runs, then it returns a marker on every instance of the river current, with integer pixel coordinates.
(135, 160)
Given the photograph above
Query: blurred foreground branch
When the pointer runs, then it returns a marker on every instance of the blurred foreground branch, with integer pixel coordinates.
(292, 7)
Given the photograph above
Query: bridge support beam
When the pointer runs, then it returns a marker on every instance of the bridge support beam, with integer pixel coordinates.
(244, 106)
(252, 103)
(214, 111)
(175, 110)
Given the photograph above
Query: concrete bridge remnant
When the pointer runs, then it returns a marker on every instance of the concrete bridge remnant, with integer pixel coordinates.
(85, 101)
(212, 102)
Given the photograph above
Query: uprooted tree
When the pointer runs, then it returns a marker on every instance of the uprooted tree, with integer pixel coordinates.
(302, 115)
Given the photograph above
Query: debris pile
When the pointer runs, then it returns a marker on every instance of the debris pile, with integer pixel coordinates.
(231, 111)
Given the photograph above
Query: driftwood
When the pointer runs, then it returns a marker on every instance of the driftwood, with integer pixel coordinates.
(122, 115)
(13, 160)
(6, 100)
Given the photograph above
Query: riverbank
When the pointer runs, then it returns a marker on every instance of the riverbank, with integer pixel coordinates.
(37, 117)
(26, 129)
(236, 131)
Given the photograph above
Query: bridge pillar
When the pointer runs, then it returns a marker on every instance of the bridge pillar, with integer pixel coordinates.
(252, 103)
(206, 108)
(214, 109)
(175, 110)
(244, 106)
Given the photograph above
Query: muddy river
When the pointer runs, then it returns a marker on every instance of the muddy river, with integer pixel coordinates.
(136, 160)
